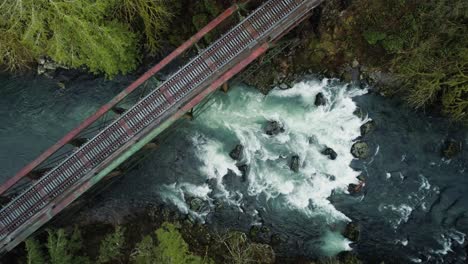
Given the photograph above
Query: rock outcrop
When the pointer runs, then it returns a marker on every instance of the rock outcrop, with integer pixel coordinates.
(237, 153)
(352, 232)
(360, 150)
(367, 128)
(295, 163)
(320, 100)
(330, 153)
(451, 148)
(274, 128)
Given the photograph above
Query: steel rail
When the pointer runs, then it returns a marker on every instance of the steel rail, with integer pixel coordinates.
(105, 108)
(153, 108)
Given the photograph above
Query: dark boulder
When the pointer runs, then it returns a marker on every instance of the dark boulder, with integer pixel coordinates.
(451, 148)
(275, 240)
(237, 152)
(273, 128)
(367, 128)
(330, 153)
(320, 99)
(4, 201)
(294, 165)
(352, 232)
(359, 113)
(196, 204)
(355, 189)
(360, 150)
(244, 169)
(330, 177)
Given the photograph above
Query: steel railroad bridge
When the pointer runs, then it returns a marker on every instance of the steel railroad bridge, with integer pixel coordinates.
(96, 148)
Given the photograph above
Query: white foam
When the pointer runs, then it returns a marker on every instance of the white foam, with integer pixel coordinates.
(241, 116)
(425, 185)
(447, 241)
(334, 243)
(404, 242)
(402, 213)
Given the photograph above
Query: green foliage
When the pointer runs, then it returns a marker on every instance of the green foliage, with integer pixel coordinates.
(241, 250)
(34, 252)
(211, 6)
(145, 252)
(150, 17)
(172, 248)
(111, 247)
(169, 248)
(61, 249)
(425, 45)
(373, 37)
(57, 245)
(64, 250)
(100, 35)
(347, 259)
(433, 68)
(14, 55)
(205, 11)
(72, 33)
(200, 20)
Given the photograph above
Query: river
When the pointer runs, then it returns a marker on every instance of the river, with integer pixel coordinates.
(413, 208)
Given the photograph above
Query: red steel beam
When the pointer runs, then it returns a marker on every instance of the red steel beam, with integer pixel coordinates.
(105, 108)
(224, 78)
(72, 194)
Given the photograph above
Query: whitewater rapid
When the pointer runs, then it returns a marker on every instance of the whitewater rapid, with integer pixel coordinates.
(240, 118)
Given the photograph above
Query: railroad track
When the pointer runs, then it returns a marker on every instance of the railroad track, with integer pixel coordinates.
(152, 108)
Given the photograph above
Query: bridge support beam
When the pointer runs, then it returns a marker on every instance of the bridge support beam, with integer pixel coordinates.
(107, 107)
(113, 174)
(118, 110)
(189, 115)
(225, 87)
(151, 145)
(78, 142)
(37, 174)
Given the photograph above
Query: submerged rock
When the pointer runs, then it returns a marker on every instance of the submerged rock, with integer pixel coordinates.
(275, 239)
(237, 152)
(254, 232)
(244, 169)
(320, 99)
(451, 148)
(360, 150)
(352, 232)
(359, 113)
(330, 153)
(313, 140)
(367, 128)
(294, 165)
(196, 204)
(330, 177)
(354, 189)
(284, 86)
(274, 128)
(47, 67)
(361, 177)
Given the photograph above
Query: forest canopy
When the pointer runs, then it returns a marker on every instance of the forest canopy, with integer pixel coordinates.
(422, 44)
(102, 35)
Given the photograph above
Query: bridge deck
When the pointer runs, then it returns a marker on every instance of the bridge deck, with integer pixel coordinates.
(22, 215)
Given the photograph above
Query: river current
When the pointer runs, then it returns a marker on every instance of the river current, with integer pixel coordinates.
(413, 208)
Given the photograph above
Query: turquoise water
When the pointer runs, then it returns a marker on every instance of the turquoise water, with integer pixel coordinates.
(413, 208)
